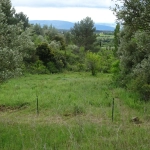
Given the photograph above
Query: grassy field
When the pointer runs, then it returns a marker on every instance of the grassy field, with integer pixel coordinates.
(75, 113)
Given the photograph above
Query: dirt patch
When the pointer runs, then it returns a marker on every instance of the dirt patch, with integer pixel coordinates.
(4, 108)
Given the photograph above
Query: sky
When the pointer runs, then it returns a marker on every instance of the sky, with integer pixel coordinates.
(67, 10)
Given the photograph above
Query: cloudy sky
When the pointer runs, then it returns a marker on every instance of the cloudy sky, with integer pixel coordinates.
(68, 10)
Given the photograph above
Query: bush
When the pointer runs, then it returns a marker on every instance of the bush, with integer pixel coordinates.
(38, 68)
(52, 68)
(45, 53)
(93, 62)
(140, 85)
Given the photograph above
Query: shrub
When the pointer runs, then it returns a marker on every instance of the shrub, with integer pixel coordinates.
(51, 67)
(38, 68)
(93, 60)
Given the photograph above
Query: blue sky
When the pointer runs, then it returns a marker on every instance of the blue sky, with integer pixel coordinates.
(68, 10)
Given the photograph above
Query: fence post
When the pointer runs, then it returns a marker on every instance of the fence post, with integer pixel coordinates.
(113, 102)
(37, 105)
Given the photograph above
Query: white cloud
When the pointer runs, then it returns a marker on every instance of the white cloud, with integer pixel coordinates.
(63, 3)
(69, 10)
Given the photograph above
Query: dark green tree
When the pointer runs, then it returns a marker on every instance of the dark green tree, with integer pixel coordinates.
(45, 53)
(8, 10)
(84, 33)
(60, 38)
(116, 38)
(50, 32)
(53, 60)
(23, 18)
(68, 37)
(38, 29)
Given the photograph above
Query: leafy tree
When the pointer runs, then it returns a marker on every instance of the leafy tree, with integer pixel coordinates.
(68, 37)
(53, 60)
(8, 11)
(11, 16)
(134, 13)
(116, 38)
(38, 29)
(10, 61)
(60, 38)
(45, 53)
(93, 62)
(38, 39)
(84, 33)
(134, 46)
(14, 43)
(50, 32)
(106, 60)
(22, 17)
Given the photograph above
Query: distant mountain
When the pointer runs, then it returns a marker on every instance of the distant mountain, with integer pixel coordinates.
(66, 25)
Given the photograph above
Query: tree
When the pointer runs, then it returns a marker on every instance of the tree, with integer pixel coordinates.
(8, 11)
(134, 13)
(53, 60)
(134, 46)
(50, 32)
(60, 38)
(93, 60)
(14, 43)
(38, 29)
(116, 38)
(45, 53)
(84, 33)
(22, 17)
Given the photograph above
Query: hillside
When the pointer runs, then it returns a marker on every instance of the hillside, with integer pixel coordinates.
(66, 25)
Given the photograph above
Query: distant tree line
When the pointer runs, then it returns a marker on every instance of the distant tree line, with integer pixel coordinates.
(27, 48)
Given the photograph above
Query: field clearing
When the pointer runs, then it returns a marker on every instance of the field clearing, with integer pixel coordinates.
(75, 112)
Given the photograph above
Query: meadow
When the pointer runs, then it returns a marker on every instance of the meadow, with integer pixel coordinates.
(74, 113)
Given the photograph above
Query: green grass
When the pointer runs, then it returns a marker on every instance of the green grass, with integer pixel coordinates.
(74, 113)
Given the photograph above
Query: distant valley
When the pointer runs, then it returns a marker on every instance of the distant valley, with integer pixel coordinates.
(66, 25)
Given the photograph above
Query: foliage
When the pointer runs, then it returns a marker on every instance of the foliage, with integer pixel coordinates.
(83, 33)
(8, 11)
(68, 37)
(106, 60)
(38, 39)
(50, 32)
(51, 67)
(133, 13)
(21, 17)
(55, 45)
(93, 61)
(134, 48)
(60, 38)
(45, 53)
(15, 44)
(116, 38)
(38, 29)
(37, 68)
(60, 60)
(10, 61)
(53, 59)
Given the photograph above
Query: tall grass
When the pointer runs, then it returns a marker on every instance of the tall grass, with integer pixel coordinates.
(74, 113)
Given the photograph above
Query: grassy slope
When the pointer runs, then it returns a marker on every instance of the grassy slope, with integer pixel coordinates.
(74, 113)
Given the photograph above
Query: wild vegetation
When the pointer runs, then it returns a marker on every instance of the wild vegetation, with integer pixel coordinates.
(74, 112)
(57, 88)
